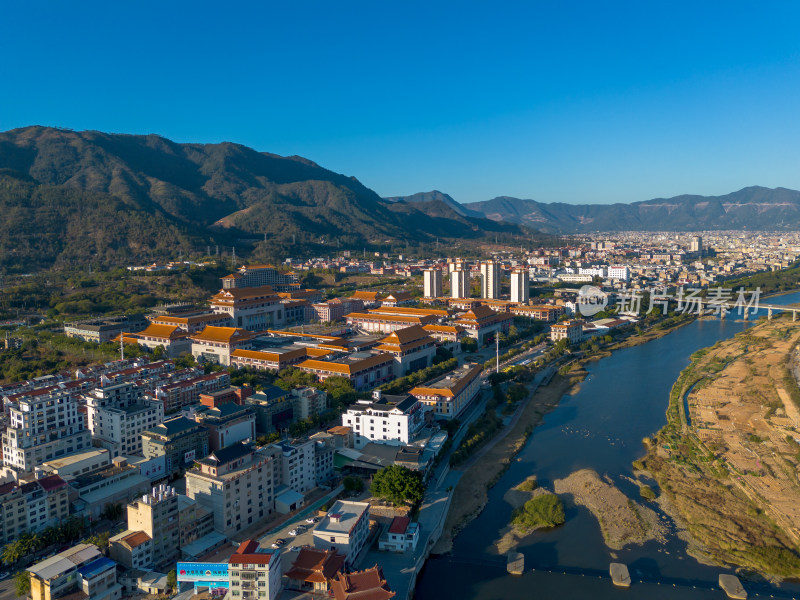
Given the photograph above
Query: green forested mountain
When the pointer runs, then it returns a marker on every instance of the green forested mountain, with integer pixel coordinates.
(68, 197)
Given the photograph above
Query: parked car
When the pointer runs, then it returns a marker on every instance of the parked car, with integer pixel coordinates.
(275, 546)
(280, 542)
(310, 520)
(294, 532)
(296, 548)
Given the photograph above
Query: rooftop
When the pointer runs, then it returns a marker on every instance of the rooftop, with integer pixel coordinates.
(342, 517)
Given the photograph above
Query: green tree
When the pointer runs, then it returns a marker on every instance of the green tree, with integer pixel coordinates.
(398, 485)
(99, 539)
(172, 580)
(22, 584)
(12, 552)
(353, 484)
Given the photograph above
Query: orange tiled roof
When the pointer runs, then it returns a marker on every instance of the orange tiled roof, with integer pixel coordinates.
(137, 538)
(227, 335)
(451, 391)
(168, 332)
(347, 368)
(269, 356)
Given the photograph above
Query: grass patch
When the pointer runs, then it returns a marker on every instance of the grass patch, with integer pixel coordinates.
(546, 510)
(647, 492)
(528, 485)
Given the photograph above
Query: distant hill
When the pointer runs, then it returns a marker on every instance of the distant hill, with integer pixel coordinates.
(751, 208)
(437, 196)
(68, 197)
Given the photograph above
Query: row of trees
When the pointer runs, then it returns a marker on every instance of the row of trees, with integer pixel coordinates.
(31, 542)
(403, 384)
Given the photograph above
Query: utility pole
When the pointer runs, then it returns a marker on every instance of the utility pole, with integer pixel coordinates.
(497, 351)
(122, 345)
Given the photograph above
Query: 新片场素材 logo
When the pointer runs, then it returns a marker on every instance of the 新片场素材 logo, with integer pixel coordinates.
(591, 300)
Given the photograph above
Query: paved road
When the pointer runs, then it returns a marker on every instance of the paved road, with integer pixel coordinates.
(7, 589)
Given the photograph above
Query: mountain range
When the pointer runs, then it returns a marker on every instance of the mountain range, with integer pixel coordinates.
(72, 197)
(751, 208)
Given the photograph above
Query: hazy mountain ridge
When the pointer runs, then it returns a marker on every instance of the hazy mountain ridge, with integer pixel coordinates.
(749, 208)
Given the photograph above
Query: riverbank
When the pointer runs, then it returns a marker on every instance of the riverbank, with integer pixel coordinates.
(727, 459)
(471, 493)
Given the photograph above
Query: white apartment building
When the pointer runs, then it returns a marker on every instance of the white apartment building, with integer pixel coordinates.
(572, 331)
(622, 273)
(118, 415)
(432, 283)
(345, 528)
(520, 286)
(295, 464)
(459, 284)
(490, 279)
(594, 271)
(43, 427)
(236, 484)
(384, 419)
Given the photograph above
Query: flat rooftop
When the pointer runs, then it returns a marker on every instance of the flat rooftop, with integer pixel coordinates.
(76, 457)
(342, 517)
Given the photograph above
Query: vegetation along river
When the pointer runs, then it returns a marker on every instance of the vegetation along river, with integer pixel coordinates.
(601, 427)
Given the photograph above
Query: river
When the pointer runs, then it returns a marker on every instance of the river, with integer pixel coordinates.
(623, 399)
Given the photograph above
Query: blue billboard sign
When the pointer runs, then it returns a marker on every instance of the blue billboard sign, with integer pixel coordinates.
(212, 575)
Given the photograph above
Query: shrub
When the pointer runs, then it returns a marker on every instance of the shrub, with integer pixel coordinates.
(546, 510)
(647, 492)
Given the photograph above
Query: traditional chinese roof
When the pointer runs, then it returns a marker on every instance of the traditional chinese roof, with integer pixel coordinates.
(315, 566)
(369, 584)
(347, 367)
(225, 335)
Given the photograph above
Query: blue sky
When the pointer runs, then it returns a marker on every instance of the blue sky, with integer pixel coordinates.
(556, 101)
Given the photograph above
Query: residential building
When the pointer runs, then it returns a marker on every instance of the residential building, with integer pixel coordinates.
(251, 308)
(156, 514)
(194, 521)
(295, 464)
(117, 483)
(227, 424)
(117, 417)
(314, 569)
(344, 529)
(490, 279)
(696, 244)
(254, 572)
(520, 286)
(275, 409)
(411, 347)
(622, 273)
(447, 396)
(364, 370)
(78, 463)
(132, 549)
(358, 585)
(432, 283)
(236, 484)
(324, 452)
(402, 535)
(571, 330)
(370, 299)
(176, 395)
(81, 569)
(216, 344)
(41, 427)
(385, 419)
(309, 402)
(181, 440)
(459, 284)
(31, 507)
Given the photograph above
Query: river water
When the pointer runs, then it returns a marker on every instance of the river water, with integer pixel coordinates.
(601, 427)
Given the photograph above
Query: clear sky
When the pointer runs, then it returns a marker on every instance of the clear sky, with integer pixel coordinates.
(582, 101)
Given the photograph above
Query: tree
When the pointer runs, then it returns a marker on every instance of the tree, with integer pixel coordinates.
(22, 583)
(353, 484)
(172, 579)
(398, 485)
(12, 552)
(99, 539)
(112, 512)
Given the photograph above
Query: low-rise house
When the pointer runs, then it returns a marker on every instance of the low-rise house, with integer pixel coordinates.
(364, 370)
(402, 535)
(132, 549)
(314, 569)
(81, 569)
(171, 338)
(482, 323)
(572, 331)
(344, 529)
(226, 424)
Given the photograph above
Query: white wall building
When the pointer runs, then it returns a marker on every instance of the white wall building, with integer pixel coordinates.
(520, 286)
(621, 273)
(490, 279)
(345, 528)
(432, 283)
(117, 417)
(384, 419)
(459, 284)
